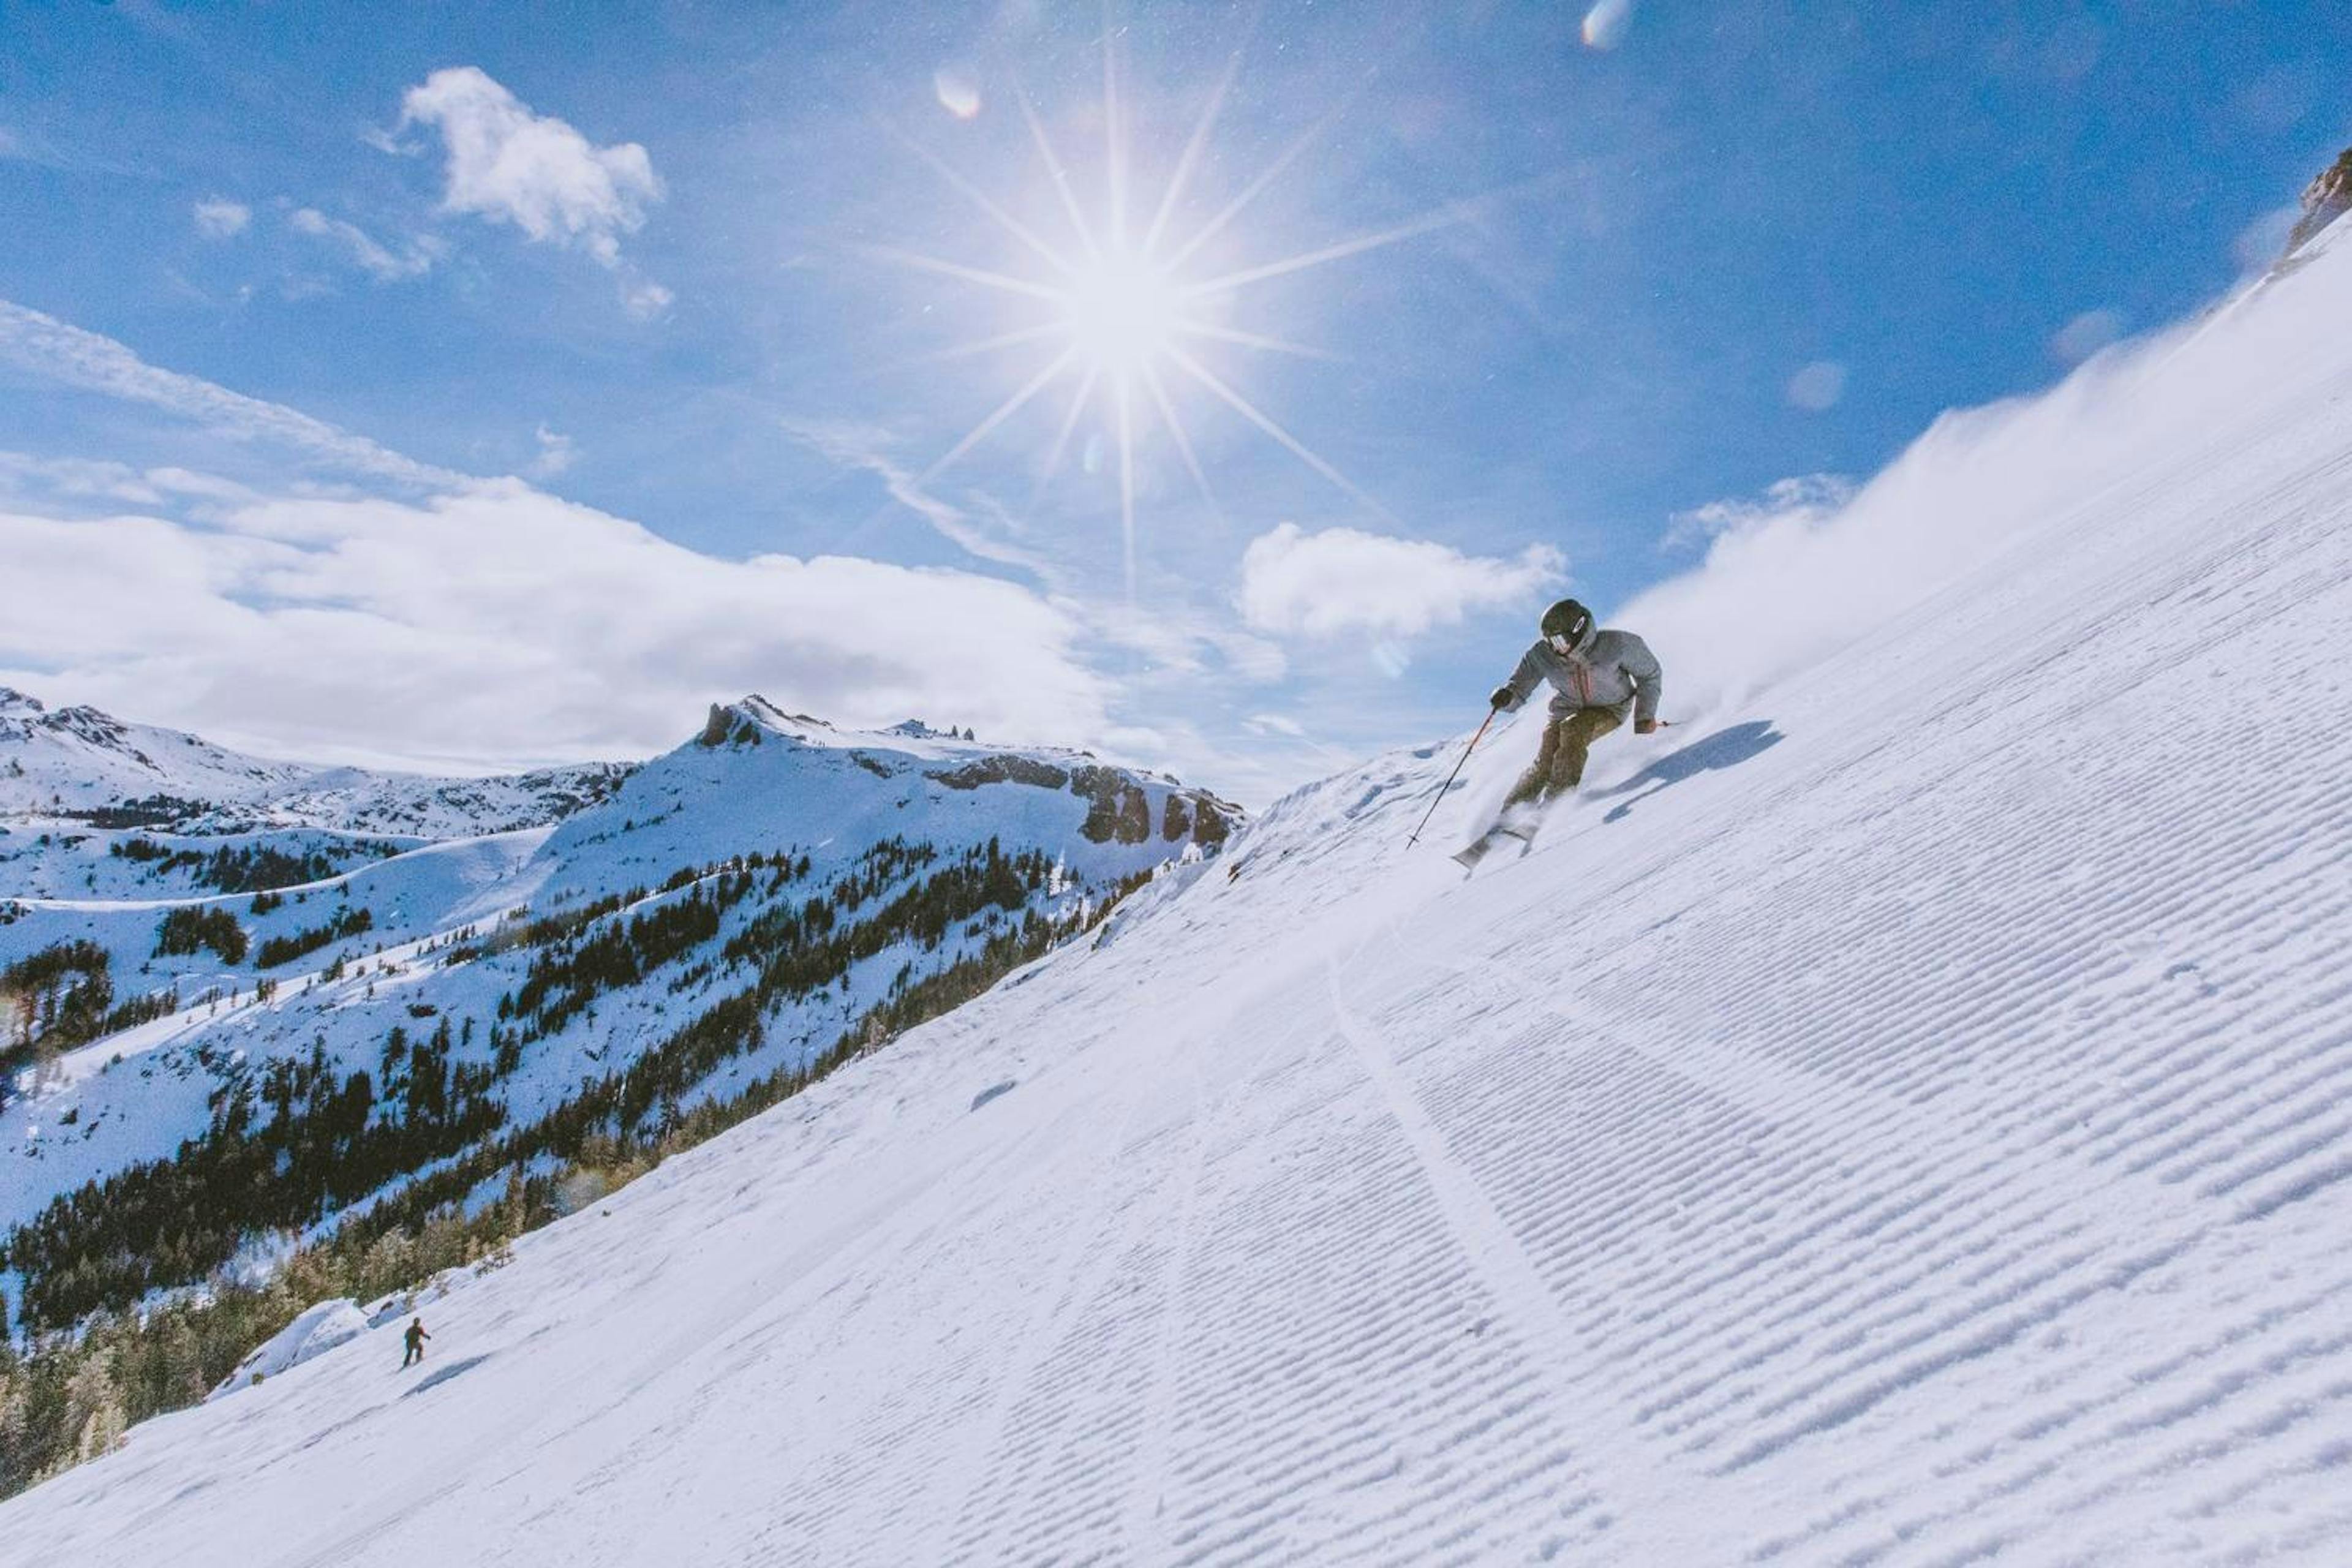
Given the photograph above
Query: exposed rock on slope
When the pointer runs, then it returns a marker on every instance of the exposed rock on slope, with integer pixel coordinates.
(2326, 199)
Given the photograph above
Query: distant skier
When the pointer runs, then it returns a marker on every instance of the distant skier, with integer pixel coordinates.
(1597, 676)
(416, 1336)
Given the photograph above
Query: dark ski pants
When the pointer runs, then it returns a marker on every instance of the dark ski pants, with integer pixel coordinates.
(1558, 767)
(416, 1353)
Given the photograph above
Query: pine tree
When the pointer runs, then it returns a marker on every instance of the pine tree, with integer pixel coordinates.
(94, 1408)
(15, 1420)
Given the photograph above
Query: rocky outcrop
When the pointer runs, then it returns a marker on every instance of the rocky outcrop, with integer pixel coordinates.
(729, 726)
(2324, 200)
(22, 715)
(1213, 820)
(1004, 768)
(1117, 809)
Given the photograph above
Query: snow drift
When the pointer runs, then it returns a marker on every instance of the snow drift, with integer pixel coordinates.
(1899, 1117)
(317, 1330)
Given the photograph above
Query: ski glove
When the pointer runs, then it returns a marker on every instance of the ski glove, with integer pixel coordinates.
(1500, 699)
(1645, 726)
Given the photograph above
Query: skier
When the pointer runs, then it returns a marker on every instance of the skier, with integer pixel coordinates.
(1597, 676)
(416, 1336)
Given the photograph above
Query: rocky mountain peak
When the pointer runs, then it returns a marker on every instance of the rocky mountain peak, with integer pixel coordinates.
(2326, 199)
(90, 725)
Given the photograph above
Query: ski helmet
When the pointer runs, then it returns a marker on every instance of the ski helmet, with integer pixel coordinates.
(1567, 622)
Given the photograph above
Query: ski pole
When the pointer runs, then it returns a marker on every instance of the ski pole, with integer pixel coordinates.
(1452, 777)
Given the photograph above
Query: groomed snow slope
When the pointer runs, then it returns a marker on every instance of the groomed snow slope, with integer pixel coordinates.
(1902, 1118)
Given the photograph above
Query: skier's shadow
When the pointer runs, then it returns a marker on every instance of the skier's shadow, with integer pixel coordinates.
(442, 1375)
(1724, 748)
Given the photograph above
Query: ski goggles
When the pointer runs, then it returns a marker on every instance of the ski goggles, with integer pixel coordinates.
(1564, 645)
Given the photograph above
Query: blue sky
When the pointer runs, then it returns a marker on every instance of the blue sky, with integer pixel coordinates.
(462, 386)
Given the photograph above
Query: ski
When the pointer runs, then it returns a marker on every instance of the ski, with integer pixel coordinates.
(1520, 827)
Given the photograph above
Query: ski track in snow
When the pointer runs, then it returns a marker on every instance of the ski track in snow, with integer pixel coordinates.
(513, 844)
(1925, 1141)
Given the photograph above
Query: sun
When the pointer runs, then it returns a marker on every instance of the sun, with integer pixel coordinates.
(1125, 315)
(1122, 313)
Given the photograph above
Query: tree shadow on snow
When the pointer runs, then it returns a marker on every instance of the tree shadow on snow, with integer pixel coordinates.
(442, 1375)
(1724, 748)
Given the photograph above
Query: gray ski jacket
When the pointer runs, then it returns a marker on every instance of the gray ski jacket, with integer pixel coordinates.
(1612, 669)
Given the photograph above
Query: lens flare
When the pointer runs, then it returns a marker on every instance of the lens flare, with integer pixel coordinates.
(1605, 24)
(958, 94)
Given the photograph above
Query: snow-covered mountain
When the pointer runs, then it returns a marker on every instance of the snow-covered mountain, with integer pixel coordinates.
(80, 764)
(79, 759)
(1896, 1115)
(736, 910)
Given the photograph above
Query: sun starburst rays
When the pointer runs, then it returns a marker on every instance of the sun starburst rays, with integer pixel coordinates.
(1004, 410)
(1120, 310)
(1183, 440)
(1266, 422)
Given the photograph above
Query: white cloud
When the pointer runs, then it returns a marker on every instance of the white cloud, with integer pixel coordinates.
(75, 479)
(199, 486)
(1172, 641)
(34, 480)
(556, 453)
(33, 148)
(534, 171)
(499, 625)
(413, 260)
(49, 348)
(219, 217)
(1343, 580)
(1818, 386)
(1178, 642)
(2085, 335)
(1296, 754)
(869, 449)
(1807, 498)
(645, 299)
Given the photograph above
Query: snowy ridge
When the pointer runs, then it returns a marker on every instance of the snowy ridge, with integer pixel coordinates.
(1896, 1116)
(80, 763)
(79, 759)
